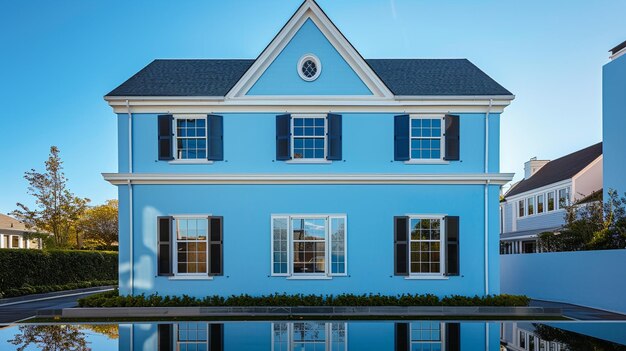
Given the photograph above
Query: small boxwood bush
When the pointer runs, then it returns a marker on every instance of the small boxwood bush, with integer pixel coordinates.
(41, 289)
(19, 267)
(112, 299)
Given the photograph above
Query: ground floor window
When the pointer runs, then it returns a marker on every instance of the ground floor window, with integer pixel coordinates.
(191, 245)
(426, 245)
(15, 241)
(426, 336)
(308, 245)
(309, 336)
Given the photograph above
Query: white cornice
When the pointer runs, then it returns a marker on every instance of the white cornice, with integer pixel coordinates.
(536, 191)
(306, 178)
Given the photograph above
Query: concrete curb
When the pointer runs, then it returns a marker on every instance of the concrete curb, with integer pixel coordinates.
(52, 295)
(377, 311)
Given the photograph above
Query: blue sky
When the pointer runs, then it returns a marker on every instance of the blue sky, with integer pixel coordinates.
(59, 58)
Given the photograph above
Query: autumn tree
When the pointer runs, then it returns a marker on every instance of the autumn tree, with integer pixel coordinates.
(100, 223)
(57, 337)
(56, 209)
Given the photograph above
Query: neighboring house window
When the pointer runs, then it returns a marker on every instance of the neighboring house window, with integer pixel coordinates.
(15, 242)
(191, 245)
(426, 245)
(564, 197)
(426, 336)
(531, 205)
(309, 137)
(426, 138)
(309, 336)
(191, 138)
(521, 209)
(540, 204)
(522, 339)
(550, 197)
(309, 245)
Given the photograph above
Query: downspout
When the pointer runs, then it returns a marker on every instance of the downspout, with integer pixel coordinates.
(487, 198)
(130, 195)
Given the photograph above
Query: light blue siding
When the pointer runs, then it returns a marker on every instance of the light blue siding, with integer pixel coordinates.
(546, 220)
(249, 147)
(369, 209)
(282, 78)
(614, 124)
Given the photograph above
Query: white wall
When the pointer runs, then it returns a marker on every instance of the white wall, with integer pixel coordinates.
(588, 181)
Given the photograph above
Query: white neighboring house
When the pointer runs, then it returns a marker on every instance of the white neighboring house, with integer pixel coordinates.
(535, 204)
(13, 232)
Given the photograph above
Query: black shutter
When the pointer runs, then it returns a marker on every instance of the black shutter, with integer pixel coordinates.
(283, 137)
(216, 337)
(452, 138)
(452, 245)
(165, 142)
(401, 337)
(215, 138)
(164, 253)
(334, 137)
(453, 336)
(165, 335)
(401, 138)
(216, 259)
(401, 245)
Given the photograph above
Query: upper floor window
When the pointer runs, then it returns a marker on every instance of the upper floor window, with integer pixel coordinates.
(550, 197)
(530, 202)
(521, 208)
(540, 203)
(426, 138)
(564, 197)
(309, 67)
(309, 245)
(191, 138)
(309, 137)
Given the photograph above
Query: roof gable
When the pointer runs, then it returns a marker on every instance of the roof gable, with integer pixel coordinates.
(336, 76)
(557, 170)
(309, 11)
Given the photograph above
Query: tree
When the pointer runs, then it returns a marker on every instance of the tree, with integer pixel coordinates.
(100, 223)
(51, 338)
(592, 225)
(57, 209)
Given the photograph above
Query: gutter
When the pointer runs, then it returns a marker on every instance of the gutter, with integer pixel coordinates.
(487, 183)
(130, 197)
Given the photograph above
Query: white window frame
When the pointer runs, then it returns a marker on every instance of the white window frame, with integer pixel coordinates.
(177, 160)
(292, 137)
(328, 342)
(175, 250)
(543, 203)
(523, 203)
(318, 66)
(567, 197)
(534, 203)
(442, 240)
(327, 247)
(441, 341)
(176, 342)
(554, 199)
(442, 145)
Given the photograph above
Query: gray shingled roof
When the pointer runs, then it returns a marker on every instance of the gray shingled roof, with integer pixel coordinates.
(560, 169)
(217, 77)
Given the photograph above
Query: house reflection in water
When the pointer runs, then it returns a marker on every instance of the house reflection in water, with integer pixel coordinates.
(310, 336)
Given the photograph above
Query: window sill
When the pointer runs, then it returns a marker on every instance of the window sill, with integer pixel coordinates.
(321, 277)
(310, 161)
(427, 277)
(426, 162)
(190, 277)
(190, 162)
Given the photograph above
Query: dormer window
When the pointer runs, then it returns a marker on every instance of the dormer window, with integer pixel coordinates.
(309, 67)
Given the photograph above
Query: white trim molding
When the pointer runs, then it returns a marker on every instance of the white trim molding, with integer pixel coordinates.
(310, 10)
(306, 178)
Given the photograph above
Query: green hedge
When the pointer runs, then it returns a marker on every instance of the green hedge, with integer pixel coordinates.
(56, 267)
(112, 299)
(41, 289)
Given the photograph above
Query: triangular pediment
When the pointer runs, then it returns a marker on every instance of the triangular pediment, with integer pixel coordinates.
(343, 72)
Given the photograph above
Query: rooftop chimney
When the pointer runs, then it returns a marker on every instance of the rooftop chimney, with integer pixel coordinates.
(532, 166)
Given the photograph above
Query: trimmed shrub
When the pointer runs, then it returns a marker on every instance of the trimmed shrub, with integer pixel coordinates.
(23, 268)
(112, 299)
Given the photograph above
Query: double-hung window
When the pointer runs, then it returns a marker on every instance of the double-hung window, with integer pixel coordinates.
(191, 140)
(521, 208)
(550, 197)
(190, 336)
(426, 243)
(426, 138)
(309, 137)
(426, 336)
(530, 202)
(564, 197)
(191, 245)
(315, 336)
(308, 245)
(540, 204)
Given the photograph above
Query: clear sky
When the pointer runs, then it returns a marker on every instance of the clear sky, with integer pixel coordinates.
(59, 58)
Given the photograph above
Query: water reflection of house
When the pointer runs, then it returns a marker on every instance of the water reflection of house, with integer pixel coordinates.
(15, 235)
(537, 203)
(522, 337)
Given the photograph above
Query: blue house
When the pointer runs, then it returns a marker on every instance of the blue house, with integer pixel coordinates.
(613, 122)
(309, 170)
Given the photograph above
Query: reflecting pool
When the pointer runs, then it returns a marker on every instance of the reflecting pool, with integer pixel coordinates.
(317, 336)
